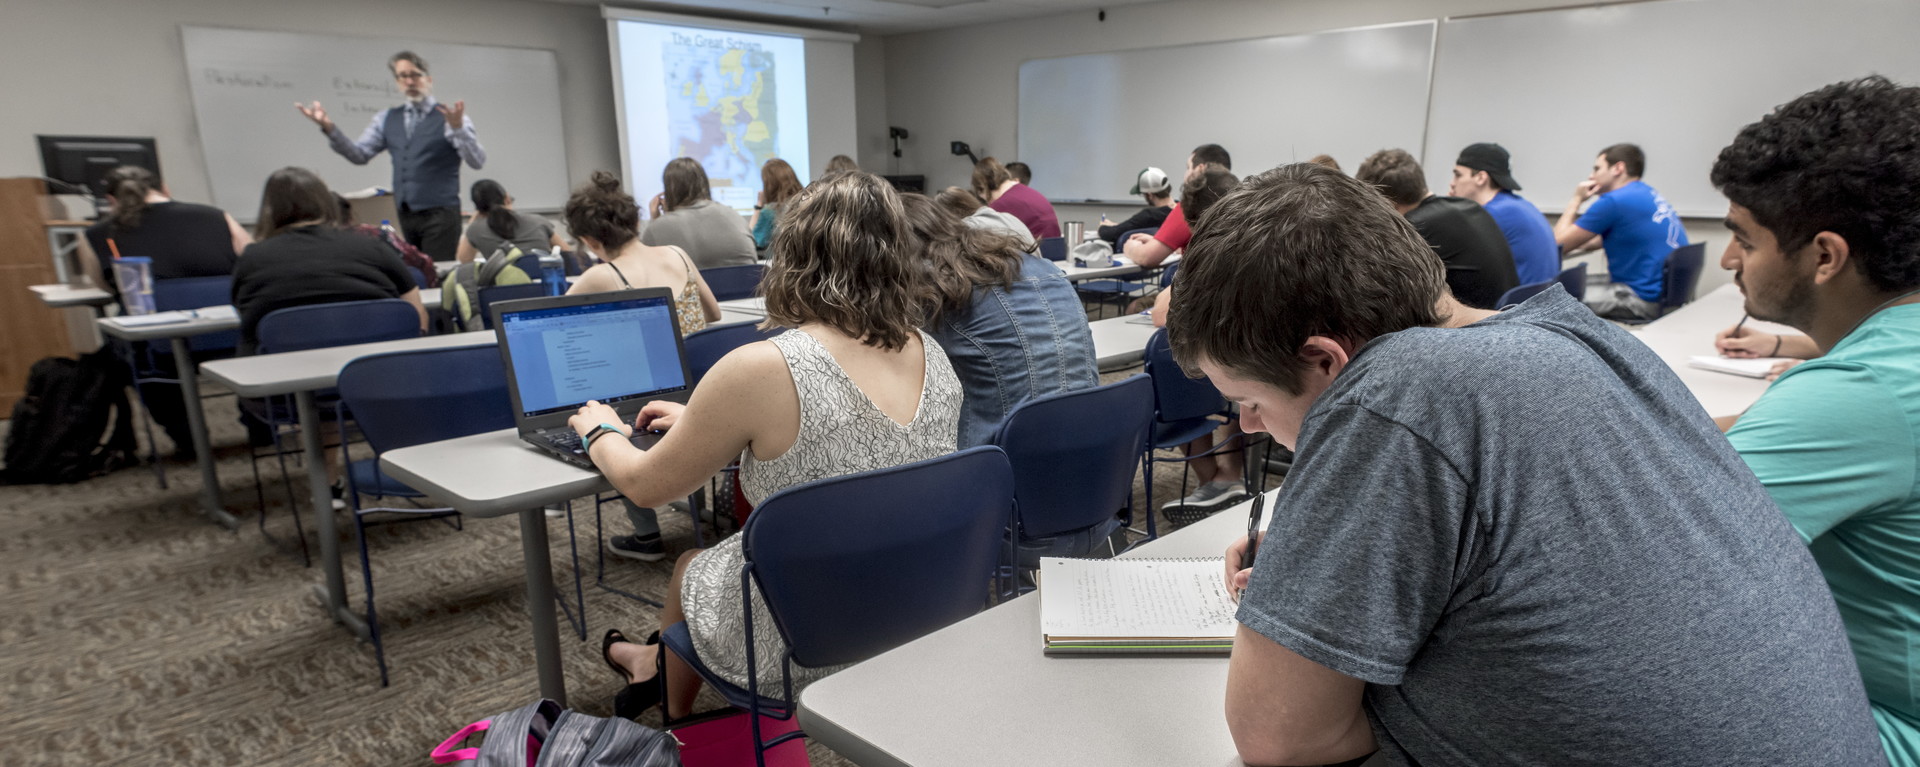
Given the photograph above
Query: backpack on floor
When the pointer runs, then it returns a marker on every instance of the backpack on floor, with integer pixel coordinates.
(74, 423)
(460, 292)
(542, 733)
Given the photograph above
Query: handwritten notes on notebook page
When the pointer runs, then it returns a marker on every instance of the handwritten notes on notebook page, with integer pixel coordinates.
(1135, 605)
(1752, 367)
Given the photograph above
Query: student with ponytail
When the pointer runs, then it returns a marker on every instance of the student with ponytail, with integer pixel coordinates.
(182, 239)
(496, 224)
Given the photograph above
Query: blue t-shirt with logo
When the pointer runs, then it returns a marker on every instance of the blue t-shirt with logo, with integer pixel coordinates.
(1536, 256)
(1640, 229)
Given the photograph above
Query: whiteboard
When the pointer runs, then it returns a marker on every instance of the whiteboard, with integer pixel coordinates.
(1679, 78)
(245, 82)
(1088, 124)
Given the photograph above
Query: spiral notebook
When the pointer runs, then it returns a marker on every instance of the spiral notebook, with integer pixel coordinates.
(1153, 606)
(1752, 367)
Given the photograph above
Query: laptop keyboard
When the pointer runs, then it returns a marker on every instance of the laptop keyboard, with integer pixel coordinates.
(563, 441)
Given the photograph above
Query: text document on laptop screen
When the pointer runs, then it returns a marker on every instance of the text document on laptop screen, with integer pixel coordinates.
(610, 352)
(731, 95)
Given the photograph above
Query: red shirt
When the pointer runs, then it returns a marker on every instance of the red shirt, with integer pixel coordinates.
(1174, 233)
(1031, 208)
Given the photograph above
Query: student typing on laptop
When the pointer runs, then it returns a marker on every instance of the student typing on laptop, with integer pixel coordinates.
(855, 386)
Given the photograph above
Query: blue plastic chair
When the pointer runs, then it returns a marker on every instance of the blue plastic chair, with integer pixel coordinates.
(318, 326)
(1522, 293)
(1117, 291)
(400, 399)
(1073, 456)
(854, 566)
(1053, 248)
(1183, 411)
(152, 362)
(1574, 279)
(733, 282)
(706, 347)
(492, 293)
(1681, 275)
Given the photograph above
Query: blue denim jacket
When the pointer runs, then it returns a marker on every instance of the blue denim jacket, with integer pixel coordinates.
(1016, 343)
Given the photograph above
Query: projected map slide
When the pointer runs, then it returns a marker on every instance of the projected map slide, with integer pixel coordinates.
(731, 100)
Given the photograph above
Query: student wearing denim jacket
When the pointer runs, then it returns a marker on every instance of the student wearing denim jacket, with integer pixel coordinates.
(1009, 321)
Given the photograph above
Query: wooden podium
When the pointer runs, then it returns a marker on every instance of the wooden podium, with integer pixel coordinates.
(29, 329)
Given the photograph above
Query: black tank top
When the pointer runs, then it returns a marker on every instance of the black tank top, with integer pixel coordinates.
(183, 239)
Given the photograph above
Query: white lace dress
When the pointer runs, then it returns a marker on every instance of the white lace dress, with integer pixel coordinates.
(841, 432)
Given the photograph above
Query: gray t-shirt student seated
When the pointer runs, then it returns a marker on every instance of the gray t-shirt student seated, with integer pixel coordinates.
(530, 233)
(712, 234)
(1534, 546)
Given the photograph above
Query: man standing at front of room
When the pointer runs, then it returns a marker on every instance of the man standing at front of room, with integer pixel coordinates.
(428, 141)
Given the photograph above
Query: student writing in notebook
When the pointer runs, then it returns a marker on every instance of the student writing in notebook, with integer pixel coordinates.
(1824, 206)
(1453, 578)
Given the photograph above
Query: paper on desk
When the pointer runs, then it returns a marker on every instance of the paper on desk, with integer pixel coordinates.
(1757, 367)
(221, 312)
(1134, 599)
(149, 320)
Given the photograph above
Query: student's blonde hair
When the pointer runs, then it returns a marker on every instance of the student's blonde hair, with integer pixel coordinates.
(845, 258)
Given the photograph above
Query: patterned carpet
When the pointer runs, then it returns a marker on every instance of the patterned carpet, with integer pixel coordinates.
(136, 632)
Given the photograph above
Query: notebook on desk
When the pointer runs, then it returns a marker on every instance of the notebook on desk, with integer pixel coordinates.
(1125, 606)
(621, 348)
(1757, 367)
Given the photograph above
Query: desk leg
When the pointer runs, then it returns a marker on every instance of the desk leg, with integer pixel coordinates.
(334, 595)
(540, 605)
(189, 373)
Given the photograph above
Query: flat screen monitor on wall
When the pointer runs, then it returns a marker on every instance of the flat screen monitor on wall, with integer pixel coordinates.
(731, 95)
(83, 161)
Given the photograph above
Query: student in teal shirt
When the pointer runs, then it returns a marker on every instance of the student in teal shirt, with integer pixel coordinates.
(1825, 215)
(777, 185)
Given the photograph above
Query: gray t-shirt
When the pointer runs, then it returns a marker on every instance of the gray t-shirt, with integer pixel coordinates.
(530, 233)
(712, 234)
(1535, 547)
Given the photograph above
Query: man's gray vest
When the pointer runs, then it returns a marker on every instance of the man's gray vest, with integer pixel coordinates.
(426, 167)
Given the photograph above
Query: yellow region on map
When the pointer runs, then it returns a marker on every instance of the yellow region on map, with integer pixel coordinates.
(753, 96)
(756, 132)
(700, 98)
(687, 90)
(730, 65)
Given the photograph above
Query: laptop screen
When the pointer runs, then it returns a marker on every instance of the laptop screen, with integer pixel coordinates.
(611, 352)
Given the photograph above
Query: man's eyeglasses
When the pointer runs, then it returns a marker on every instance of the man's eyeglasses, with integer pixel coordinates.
(409, 75)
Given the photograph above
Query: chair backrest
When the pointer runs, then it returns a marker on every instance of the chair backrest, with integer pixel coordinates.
(1524, 292)
(1574, 279)
(1166, 274)
(856, 565)
(1682, 275)
(1121, 241)
(197, 293)
(706, 347)
(1074, 454)
(1053, 248)
(410, 398)
(419, 277)
(731, 282)
(492, 293)
(1175, 396)
(318, 326)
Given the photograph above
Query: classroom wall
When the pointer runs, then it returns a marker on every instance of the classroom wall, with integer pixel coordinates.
(116, 67)
(963, 84)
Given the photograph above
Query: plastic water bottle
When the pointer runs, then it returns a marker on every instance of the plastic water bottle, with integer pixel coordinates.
(134, 275)
(386, 228)
(553, 272)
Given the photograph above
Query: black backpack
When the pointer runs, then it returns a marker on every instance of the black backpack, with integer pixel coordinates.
(74, 423)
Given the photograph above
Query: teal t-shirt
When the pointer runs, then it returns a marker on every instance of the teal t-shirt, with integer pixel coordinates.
(763, 226)
(1836, 441)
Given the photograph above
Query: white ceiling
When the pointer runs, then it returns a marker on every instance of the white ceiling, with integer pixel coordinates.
(874, 17)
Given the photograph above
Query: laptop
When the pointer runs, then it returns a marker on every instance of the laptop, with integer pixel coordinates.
(621, 348)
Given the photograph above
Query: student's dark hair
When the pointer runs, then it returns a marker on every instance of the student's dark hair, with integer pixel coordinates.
(1020, 172)
(407, 56)
(601, 210)
(1200, 192)
(128, 185)
(988, 175)
(844, 257)
(778, 181)
(1214, 155)
(1630, 154)
(1325, 159)
(1396, 174)
(295, 196)
(961, 257)
(490, 198)
(1842, 159)
(685, 182)
(839, 163)
(1349, 267)
(959, 202)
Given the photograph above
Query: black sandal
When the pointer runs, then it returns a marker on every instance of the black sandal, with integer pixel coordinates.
(634, 699)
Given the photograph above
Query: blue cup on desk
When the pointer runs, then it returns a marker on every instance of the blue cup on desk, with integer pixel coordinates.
(134, 275)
